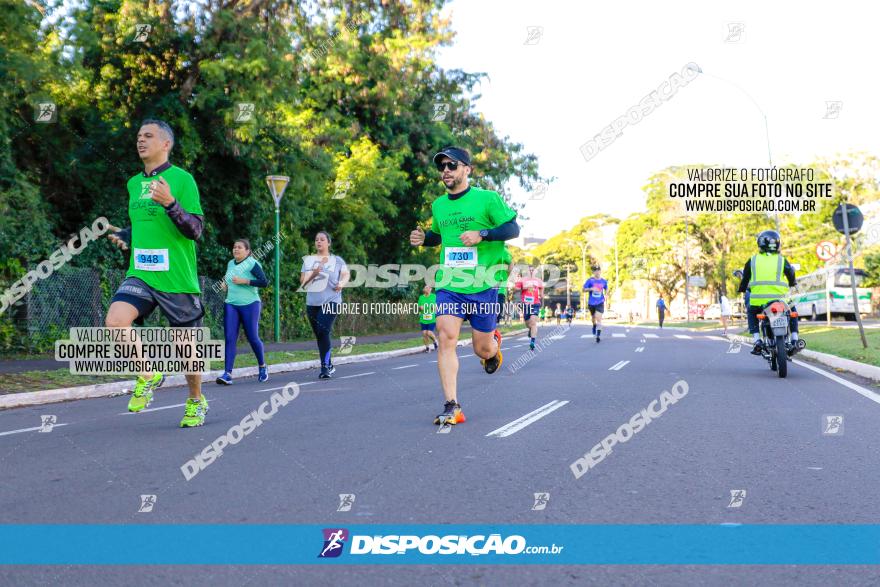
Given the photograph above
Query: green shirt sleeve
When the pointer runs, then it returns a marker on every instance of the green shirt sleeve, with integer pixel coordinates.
(499, 211)
(189, 195)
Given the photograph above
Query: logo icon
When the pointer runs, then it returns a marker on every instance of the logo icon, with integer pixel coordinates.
(737, 497)
(47, 423)
(342, 188)
(533, 35)
(540, 191)
(45, 112)
(832, 425)
(147, 503)
(244, 112)
(735, 32)
(441, 109)
(736, 343)
(541, 500)
(141, 32)
(334, 540)
(346, 343)
(832, 109)
(346, 500)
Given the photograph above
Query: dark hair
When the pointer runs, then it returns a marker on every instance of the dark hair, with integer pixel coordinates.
(164, 126)
(244, 241)
(327, 234)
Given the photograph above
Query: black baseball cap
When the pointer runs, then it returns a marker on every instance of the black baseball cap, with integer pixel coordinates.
(455, 154)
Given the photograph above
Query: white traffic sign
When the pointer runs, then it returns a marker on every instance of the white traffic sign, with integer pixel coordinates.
(826, 250)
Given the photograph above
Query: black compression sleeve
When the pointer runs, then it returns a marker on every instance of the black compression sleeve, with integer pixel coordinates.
(260, 279)
(432, 239)
(506, 231)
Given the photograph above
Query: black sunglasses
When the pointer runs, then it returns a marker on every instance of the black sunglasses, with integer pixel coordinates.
(450, 165)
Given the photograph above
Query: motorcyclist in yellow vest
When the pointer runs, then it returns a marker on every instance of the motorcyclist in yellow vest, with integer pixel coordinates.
(767, 276)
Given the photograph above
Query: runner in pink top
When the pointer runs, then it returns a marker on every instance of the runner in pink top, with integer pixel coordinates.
(531, 290)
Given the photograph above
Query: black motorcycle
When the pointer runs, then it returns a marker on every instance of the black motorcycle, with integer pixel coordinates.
(774, 324)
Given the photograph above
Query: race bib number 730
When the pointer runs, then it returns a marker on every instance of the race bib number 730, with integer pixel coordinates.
(461, 257)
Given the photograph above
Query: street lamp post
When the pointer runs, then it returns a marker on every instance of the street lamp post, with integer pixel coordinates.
(687, 267)
(583, 247)
(697, 69)
(277, 184)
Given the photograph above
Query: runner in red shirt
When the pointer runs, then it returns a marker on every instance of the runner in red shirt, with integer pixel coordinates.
(531, 290)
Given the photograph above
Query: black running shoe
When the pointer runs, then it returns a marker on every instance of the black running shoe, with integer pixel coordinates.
(759, 346)
(451, 415)
(325, 373)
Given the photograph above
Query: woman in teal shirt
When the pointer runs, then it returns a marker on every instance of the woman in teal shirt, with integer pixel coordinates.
(243, 276)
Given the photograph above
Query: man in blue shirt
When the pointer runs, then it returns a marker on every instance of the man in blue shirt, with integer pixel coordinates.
(661, 310)
(596, 300)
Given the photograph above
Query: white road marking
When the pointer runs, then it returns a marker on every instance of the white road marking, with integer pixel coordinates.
(557, 337)
(523, 338)
(434, 361)
(151, 410)
(588, 336)
(640, 349)
(29, 429)
(618, 366)
(815, 468)
(465, 356)
(713, 337)
(529, 418)
(358, 375)
(404, 367)
(867, 393)
(650, 335)
(734, 349)
(283, 386)
(683, 336)
(618, 335)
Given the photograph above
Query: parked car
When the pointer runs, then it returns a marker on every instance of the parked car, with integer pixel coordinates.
(611, 315)
(713, 312)
(698, 312)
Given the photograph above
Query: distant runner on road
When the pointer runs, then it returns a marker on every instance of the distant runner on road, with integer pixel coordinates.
(531, 292)
(596, 300)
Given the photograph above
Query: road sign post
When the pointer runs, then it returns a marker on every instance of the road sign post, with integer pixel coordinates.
(844, 214)
(277, 184)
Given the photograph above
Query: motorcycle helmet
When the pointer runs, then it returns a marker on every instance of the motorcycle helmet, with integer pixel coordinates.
(769, 241)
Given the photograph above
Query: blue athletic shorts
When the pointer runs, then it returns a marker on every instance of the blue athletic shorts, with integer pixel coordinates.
(480, 309)
(429, 326)
(530, 310)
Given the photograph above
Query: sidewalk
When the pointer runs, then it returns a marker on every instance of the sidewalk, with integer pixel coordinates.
(47, 363)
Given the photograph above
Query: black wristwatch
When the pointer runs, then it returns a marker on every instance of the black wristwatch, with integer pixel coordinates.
(484, 233)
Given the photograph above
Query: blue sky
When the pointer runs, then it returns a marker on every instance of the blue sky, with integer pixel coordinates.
(591, 62)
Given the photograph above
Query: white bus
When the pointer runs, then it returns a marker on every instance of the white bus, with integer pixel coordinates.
(810, 297)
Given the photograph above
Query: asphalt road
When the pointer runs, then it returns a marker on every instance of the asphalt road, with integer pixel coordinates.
(369, 432)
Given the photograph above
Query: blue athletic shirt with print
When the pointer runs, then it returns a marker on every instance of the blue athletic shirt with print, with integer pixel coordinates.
(597, 289)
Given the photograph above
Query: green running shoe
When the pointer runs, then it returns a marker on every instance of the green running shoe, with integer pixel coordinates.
(143, 392)
(195, 412)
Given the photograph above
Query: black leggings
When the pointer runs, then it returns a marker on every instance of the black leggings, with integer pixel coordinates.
(322, 325)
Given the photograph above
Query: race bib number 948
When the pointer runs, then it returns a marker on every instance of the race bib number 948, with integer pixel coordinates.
(151, 259)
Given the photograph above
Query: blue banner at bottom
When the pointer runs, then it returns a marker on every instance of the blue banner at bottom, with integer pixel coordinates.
(440, 544)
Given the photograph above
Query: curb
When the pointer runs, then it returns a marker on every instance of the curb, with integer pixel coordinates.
(49, 396)
(855, 367)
